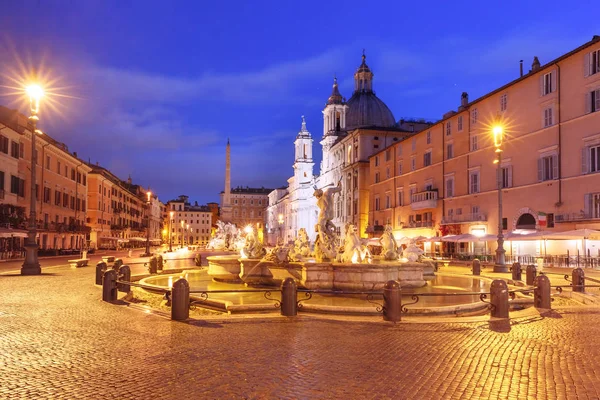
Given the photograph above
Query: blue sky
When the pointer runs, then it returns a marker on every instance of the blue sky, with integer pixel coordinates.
(159, 86)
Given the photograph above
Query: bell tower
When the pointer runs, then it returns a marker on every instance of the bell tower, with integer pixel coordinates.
(303, 161)
(334, 114)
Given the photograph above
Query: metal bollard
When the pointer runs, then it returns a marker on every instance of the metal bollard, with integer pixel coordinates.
(392, 301)
(180, 300)
(124, 275)
(476, 267)
(530, 274)
(117, 264)
(289, 300)
(109, 286)
(541, 293)
(516, 271)
(160, 262)
(100, 268)
(198, 260)
(153, 265)
(578, 278)
(499, 298)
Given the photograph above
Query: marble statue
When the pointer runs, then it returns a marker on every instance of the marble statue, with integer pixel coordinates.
(389, 247)
(278, 254)
(354, 251)
(412, 251)
(224, 237)
(325, 242)
(301, 247)
(252, 246)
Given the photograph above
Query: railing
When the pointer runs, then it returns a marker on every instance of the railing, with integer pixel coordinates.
(570, 217)
(423, 200)
(420, 224)
(457, 219)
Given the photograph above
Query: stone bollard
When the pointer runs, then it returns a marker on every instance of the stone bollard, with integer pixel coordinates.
(541, 293)
(180, 300)
(109, 286)
(516, 271)
(289, 299)
(159, 262)
(476, 267)
(499, 298)
(392, 301)
(578, 278)
(198, 260)
(117, 264)
(530, 274)
(153, 266)
(124, 275)
(100, 268)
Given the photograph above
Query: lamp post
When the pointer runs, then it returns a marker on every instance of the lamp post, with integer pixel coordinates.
(170, 230)
(31, 265)
(148, 193)
(498, 132)
(182, 233)
(280, 220)
(187, 227)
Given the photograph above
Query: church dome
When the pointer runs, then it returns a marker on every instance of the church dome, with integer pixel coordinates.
(364, 107)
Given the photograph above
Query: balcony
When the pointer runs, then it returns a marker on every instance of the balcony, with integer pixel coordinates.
(574, 217)
(424, 200)
(463, 218)
(419, 224)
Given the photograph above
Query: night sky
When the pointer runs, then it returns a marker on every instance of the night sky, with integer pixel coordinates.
(159, 86)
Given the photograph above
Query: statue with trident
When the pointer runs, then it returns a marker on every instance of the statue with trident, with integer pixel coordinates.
(326, 236)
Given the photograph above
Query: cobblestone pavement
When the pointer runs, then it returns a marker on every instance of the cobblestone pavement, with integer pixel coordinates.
(60, 341)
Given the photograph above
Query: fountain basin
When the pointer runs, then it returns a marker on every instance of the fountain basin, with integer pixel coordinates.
(224, 268)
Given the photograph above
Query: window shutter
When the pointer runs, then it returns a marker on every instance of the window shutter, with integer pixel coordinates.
(541, 84)
(553, 80)
(588, 102)
(587, 202)
(555, 166)
(540, 170)
(584, 159)
(510, 176)
(586, 65)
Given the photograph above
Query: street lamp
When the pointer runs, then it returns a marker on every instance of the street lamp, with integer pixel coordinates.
(280, 220)
(148, 193)
(170, 230)
(31, 265)
(498, 132)
(187, 227)
(182, 233)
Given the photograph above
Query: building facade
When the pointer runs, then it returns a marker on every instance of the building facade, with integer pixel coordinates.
(443, 180)
(188, 224)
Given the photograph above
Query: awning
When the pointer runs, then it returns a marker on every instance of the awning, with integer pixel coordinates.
(576, 234)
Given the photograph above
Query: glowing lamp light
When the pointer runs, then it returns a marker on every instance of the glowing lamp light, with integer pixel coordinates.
(498, 132)
(280, 218)
(149, 193)
(248, 229)
(35, 93)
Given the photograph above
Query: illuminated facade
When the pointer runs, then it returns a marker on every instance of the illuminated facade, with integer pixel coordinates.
(190, 225)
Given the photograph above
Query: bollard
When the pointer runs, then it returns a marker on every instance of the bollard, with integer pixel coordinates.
(530, 274)
(392, 301)
(159, 262)
(541, 293)
(516, 271)
(117, 264)
(180, 300)
(289, 302)
(499, 298)
(153, 265)
(124, 275)
(109, 286)
(198, 260)
(476, 267)
(578, 278)
(100, 268)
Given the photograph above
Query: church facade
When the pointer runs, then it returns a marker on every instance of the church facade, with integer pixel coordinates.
(353, 130)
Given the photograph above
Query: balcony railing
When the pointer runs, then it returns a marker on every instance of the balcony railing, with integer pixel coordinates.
(420, 224)
(424, 200)
(574, 217)
(1, 194)
(463, 218)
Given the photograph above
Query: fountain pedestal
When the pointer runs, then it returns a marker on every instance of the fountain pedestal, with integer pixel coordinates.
(224, 268)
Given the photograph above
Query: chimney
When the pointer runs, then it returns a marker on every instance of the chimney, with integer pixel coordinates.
(536, 64)
(75, 154)
(521, 67)
(464, 101)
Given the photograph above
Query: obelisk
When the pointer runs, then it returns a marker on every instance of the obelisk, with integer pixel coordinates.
(226, 212)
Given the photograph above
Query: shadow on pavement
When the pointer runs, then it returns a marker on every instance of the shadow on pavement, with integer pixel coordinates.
(19, 274)
(205, 324)
(500, 325)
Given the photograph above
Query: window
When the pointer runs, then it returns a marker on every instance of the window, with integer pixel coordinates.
(401, 197)
(22, 150)
(548, 117)
(57, 198)
(427, 159)
(449, 187)
(65, 200)
(506, 176)
(413, 164)
(550, 220)
(376, 203)
(377, 177)
(459, 123)
(66, 171)
(1, 180)
(448, 128)
(47, 162)
(474, 182)
(414, 144)
(592, 63)
(47, 195)
(474, 116)
(4, 144)
(592, 103)
(450, 150)
(387, 173)
(475, 210)
(503, 100)
(548, 168)
(400, 168)
(57, 167)
(428, 136)
(376, 161)
(548, 84)
(594, 159)
(388, 202)
(399, 149)
(388, 155)
(411, 192)
(17, 186)
(14, 149)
